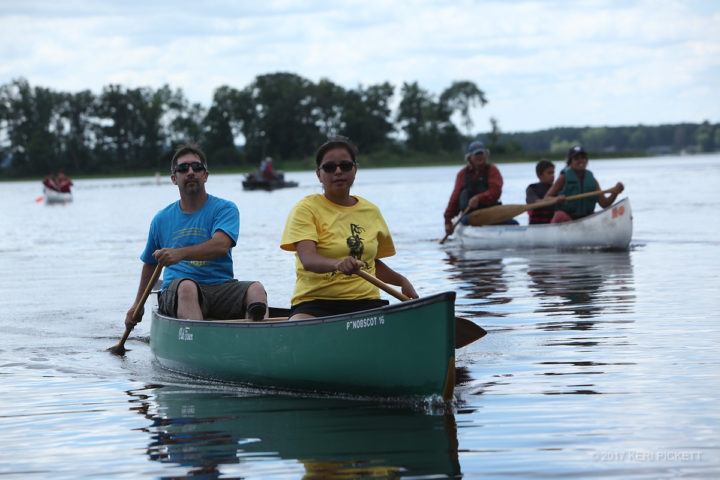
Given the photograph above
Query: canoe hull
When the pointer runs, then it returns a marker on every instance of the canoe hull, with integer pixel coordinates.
(609, 229)
(400, 350)
(268, 185)
(53, 196)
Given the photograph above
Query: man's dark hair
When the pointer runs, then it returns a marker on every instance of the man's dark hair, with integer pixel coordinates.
(185, 148)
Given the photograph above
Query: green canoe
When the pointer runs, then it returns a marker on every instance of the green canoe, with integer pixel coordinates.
(401, 350)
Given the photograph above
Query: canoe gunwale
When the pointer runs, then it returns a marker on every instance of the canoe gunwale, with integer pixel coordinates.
(392, 308)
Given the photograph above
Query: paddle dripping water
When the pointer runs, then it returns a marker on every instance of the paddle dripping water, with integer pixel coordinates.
(596, 365)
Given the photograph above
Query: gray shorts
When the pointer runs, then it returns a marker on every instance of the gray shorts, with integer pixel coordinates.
(221, 302)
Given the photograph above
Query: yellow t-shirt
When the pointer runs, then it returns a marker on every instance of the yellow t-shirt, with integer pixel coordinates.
(359, 231)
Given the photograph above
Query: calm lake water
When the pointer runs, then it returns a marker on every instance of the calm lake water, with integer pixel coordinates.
(596, 365)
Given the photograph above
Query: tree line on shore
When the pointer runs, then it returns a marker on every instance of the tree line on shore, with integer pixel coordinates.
(281, 115)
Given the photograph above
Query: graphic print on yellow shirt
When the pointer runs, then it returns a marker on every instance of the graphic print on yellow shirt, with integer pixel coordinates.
(359, 231)
(355, 242)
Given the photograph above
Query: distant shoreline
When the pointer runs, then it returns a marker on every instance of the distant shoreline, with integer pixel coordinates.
(376, 160)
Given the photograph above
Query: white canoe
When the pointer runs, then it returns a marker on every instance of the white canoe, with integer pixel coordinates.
(53, 196)
(610, 228)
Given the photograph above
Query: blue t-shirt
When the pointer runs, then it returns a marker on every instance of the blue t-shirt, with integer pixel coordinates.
(173, 228)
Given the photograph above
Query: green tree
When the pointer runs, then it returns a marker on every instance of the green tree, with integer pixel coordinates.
(638, 138)
(461, 97)
(495, 134)
(278, 119)
(596, 139)
(558, 145)
(31, 119)
(328, 103)
(130, 129)
(417, 116)
(704, 137)
(183, 120)
(366, 116)
(77, 140)
(222, 125)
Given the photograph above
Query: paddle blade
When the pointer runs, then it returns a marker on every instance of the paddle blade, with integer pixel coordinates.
(496, 214)
(466, 332)
(117, 350)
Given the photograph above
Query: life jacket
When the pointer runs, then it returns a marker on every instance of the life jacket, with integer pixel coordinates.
(540, 215)
(584, 206)
(474, 186)
(64, 184)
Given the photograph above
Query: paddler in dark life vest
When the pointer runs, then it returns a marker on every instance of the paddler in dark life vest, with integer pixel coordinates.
(576, 179)
(479, 185)
(535, 192)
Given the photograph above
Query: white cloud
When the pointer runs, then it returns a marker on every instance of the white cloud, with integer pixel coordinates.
(541, 64)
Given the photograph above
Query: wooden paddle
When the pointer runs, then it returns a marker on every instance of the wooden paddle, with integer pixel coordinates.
(454, 225)
(466, 331)
(119, 349)
(500, 213)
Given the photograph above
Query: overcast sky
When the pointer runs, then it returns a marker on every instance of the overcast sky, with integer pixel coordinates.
(541, 64)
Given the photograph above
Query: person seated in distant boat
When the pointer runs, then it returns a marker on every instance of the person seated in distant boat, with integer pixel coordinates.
(267, 171)
(49, 182)
(479, 185)
(535, 192)
(334, 235)
(574, 179)
(63, 182)
(193, 239)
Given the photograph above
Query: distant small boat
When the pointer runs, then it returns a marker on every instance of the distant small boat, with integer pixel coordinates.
(609, 229)
(53, 196)
(400, 350)
(254, 181)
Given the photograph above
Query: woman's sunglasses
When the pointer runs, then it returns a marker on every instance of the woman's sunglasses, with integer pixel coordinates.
(184, 167)
(330, 167)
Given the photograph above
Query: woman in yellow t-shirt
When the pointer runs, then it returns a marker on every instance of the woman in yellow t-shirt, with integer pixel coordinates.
(336, 234)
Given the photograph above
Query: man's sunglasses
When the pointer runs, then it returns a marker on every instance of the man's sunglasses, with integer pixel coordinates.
(184, 167)
(330, 167)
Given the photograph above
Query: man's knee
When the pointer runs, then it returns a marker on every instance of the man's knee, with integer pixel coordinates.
(187, 290)
(256, 289)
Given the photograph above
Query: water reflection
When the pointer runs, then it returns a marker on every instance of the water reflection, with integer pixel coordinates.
(581, 285)
(480, 280)
(589, 295)
(215, 434)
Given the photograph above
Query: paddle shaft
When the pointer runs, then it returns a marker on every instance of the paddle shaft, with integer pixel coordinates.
(548, 203)
(454, 225)
(500, 213)
(383, 286)
(120, 347)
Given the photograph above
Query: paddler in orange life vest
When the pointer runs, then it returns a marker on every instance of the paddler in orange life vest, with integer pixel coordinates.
(573, 180)
(479, 185)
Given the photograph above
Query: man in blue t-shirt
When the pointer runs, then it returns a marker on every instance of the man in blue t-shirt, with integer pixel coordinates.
(193, 240)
